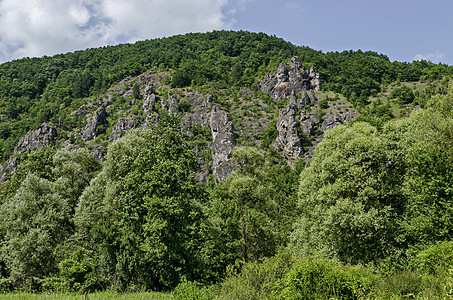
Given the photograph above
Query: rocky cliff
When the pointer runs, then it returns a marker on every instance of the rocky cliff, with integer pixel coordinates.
(232, 116)
(32, 141)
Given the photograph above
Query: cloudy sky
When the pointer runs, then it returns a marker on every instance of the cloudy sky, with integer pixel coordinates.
(402, 29)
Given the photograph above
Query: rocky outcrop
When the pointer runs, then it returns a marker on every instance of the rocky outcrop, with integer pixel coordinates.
(170, 104)
(149, 100)
(99, 118)
(290, 78)
(288, 138)
(121, 127)
(36, 139)
(33, 141)
(223, 142)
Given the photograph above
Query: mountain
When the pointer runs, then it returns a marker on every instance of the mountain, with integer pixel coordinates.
(189, 159)
(99, 93)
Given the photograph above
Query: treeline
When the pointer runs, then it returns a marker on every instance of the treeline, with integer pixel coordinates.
(48, 89)
(371, 216)
(139, 220)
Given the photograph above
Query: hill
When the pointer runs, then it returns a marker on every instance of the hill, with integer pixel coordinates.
(140, 165)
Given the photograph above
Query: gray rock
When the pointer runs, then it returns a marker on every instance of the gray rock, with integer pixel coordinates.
(36, 139)
(121, 127)
(287, 137)
(149, 104)
(33, 141)
(308, 123)
(223, 142)
(171, 104)
(99, 118)
(290, 78)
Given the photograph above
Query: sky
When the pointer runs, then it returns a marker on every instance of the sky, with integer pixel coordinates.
(404, 30)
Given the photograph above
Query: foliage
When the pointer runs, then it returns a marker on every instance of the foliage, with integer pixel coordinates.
(348, 196)
(314, 278)
(404, 95)
(251, 213)
(35, 220)
(37, 212)
(151, 238)
(435, 259)
(370, 194)
(48, 89)
(377, 192)
(286, 276)
(188, 290)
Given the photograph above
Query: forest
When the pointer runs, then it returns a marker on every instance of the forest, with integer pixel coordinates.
(368, 215)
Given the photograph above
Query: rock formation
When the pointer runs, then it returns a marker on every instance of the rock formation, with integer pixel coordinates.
(223, 142)
(288, 78)
(33, 141)
(121, 127)
(99, 118)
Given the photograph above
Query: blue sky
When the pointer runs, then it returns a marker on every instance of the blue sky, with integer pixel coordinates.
(401, 29)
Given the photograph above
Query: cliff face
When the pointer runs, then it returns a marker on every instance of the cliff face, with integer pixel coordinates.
(231, 117)
(223, 142)
(32, 141)
(290, 78)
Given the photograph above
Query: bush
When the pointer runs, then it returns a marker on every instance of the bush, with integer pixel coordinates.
(188, 290)
(314, 278)
(408, 284)
(256, 279)
(436, 259)
(324, 103)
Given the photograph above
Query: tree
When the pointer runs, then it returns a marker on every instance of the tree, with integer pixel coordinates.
(370, 195)
(252, 211)
(350, 195)
(34, 221)
(148, 180)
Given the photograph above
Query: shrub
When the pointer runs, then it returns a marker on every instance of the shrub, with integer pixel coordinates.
(189, 290)
(324, 103)
(314, 278)
(436, 259)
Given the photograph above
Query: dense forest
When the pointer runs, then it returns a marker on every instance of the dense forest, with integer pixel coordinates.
(367, 212)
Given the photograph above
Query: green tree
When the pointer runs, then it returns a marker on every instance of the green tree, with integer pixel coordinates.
(148, 178)
(350, 196)
(252, 211)
(34, 221)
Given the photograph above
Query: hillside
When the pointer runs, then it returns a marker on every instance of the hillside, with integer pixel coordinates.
(142, 165)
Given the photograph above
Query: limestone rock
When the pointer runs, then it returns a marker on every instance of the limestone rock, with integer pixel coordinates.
(122, 126)
(308, 123)
(99, 118)
(290, 78)
(223, 143)
(287, 137)
(171, 104)
(36, 139)
(33, 141)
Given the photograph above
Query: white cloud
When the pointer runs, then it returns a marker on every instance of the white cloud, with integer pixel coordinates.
(434, 57)
(294, 6)
(46, 27)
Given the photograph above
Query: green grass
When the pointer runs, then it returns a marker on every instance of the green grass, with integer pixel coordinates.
(75, 296)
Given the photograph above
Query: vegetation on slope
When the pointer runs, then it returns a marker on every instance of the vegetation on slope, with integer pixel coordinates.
(369, 217)
(48, 89)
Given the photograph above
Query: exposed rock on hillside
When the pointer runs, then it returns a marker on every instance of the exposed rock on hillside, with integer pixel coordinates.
(99, 118)
(288, 139)
(121, 127)
(32, 141)
(288, 78)
(223, 143)
(36, 139)
(170, 104)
